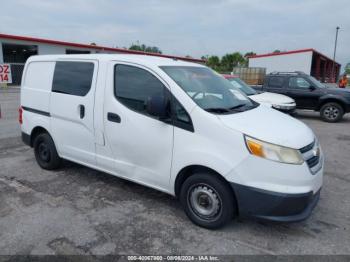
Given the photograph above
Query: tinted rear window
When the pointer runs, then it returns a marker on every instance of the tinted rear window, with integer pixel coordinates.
(73, 78)
(276, 81)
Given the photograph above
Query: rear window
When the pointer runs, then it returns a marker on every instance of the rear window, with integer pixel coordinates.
(73, 78)
(276, 81)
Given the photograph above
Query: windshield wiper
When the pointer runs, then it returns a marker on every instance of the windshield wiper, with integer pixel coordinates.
(236, 106)
(224, 109)
(218, 110)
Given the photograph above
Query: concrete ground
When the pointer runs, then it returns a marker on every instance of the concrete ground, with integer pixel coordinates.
(77, 210)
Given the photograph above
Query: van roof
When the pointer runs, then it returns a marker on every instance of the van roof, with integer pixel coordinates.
(139, 59)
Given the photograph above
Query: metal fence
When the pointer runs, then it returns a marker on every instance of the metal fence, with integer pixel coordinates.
(250, 75)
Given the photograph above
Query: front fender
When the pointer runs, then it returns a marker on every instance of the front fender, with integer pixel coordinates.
(334, 98)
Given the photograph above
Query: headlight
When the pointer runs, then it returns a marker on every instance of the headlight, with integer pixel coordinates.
(284, 106)
(273, 152)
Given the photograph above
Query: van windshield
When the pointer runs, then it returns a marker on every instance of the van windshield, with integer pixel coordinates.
(209, 90)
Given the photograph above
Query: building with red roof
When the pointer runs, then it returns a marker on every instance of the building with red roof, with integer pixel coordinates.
(15, 50)
(308, 61)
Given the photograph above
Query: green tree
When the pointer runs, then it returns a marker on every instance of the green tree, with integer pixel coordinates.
(247, 55)
(214, 62)
(229, 61)
(251, 53)
(144, 48)
(347, 69)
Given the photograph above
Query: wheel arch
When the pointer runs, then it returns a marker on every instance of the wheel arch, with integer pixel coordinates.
(331, 100)
(36, 131)
(188, 171)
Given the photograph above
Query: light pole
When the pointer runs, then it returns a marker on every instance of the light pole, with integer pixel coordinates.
(335, 50)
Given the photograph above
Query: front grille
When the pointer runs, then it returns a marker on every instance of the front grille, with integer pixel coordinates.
(313, 161)
(307, 148)
(312, 156)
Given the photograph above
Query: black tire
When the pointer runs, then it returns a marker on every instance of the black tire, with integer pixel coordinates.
(45, 152)
(204, 192)
(331, 112)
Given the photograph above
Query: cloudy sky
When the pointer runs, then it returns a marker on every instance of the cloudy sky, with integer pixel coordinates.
(187, 27)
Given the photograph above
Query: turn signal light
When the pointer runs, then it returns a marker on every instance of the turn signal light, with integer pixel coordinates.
(255, 148)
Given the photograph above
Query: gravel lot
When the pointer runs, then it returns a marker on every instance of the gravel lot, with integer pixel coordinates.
(77, 210)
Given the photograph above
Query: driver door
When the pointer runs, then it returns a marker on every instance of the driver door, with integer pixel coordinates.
(301, 91)
(141, 145)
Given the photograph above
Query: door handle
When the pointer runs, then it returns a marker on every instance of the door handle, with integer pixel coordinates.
(113, 117)
(82, 111)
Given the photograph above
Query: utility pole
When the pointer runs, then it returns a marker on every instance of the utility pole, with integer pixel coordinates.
(335, 50)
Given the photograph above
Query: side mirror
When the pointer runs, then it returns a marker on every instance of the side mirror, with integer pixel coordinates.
(157, 106)
(312, 88)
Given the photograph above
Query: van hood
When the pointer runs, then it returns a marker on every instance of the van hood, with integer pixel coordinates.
(271, 126)
(272, 98)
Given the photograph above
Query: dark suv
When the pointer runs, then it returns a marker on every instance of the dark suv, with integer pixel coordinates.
(308, 93)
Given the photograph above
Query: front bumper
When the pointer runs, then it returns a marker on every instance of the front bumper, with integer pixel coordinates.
(275, 191)
(273, 206)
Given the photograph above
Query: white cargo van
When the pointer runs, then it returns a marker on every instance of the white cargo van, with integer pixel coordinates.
(173, 126)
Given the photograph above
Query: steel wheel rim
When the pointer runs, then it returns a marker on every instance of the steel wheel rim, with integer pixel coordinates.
(44, 152)
(331, 112)
(204, 201)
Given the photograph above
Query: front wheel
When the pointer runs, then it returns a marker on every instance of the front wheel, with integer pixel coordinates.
(331, 112)
(207, 200)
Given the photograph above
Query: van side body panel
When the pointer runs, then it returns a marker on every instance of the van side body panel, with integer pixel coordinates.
(72, 121)
(139, 147)
(35, 95)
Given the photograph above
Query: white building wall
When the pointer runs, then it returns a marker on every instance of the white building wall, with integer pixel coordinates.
(51, 49)
(46, 49)
(285, 63)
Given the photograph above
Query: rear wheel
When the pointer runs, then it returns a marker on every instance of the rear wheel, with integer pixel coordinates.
(45, 152)
(207, 200)
(332, 112)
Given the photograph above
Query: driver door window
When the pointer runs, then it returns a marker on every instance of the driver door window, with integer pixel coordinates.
(133, 86)
(298, 82)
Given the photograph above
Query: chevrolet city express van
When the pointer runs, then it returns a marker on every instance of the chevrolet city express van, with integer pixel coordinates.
(173, 126)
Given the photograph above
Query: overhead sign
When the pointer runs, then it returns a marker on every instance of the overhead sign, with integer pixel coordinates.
(5, 74)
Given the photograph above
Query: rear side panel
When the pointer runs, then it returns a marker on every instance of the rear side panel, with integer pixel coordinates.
(36, 88)
(35, 95)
